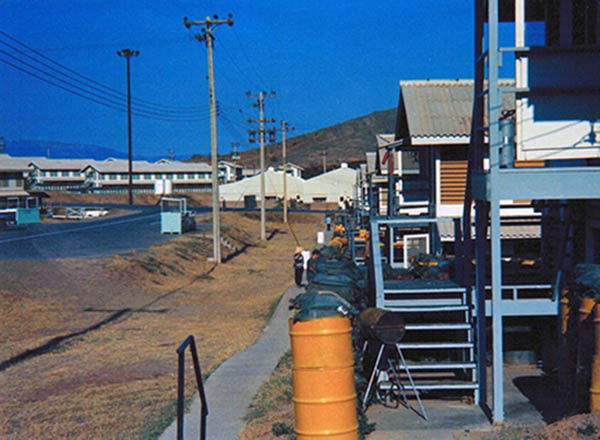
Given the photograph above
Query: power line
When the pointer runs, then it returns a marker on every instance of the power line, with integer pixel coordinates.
(108, 95)
(98, 99)
(260, 78)
(91, 80)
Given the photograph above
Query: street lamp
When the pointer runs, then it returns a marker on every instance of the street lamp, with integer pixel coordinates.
(127, 54)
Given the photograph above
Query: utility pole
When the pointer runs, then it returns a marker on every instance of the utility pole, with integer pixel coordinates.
(207, 36)
(284, 129)
(261, 120)
(235, 155)
(127, 54)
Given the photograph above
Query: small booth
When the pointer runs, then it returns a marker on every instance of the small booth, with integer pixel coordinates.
(174, 216)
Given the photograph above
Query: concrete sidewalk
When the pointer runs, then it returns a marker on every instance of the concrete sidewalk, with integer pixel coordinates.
(231, 387)
(453, 420)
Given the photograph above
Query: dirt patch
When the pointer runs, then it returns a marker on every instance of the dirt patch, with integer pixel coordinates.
(118, 380)
(579, 427)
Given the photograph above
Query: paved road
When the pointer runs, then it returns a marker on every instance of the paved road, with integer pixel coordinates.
(84, 239)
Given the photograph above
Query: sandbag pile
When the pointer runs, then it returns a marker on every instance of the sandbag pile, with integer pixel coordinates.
(422, 266)
(333, 273)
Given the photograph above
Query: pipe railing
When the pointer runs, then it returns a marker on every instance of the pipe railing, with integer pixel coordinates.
(189, 341)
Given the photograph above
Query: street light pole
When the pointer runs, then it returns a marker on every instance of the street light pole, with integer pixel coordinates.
(127, 54)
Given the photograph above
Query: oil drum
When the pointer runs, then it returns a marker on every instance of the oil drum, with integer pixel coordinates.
(323, 379)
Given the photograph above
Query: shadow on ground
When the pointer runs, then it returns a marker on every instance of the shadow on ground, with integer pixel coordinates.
(542, 392)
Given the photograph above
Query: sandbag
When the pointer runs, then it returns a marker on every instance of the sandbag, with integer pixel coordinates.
(312, 305)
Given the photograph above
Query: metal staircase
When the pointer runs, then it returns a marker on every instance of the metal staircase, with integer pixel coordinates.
(439, 342)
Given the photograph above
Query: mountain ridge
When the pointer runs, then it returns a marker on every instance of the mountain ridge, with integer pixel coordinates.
(345, 141)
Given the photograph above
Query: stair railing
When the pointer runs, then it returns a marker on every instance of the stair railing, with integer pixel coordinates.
(189, 341)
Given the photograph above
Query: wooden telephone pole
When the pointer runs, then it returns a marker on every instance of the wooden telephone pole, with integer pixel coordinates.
(284, 129)
(207, 36)
(261, 120)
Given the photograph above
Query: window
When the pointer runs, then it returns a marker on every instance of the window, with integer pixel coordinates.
(410, 162)
(415, 244)
(180, 176)
(53, 173)
(112, 176)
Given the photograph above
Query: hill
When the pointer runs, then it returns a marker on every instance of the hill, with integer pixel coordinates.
(60, 150)
(344, 142)
(64, 150)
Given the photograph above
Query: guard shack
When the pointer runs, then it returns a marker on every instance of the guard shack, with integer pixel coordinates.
(19, 210)
(174, 216)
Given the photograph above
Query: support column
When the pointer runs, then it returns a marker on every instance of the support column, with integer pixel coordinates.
(497, 342)
(481, 222)
(495, 142)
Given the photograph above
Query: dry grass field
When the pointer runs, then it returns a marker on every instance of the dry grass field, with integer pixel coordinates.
(271, 414)
(87, 347)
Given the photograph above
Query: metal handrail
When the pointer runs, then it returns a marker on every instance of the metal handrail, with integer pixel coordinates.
(180, 387)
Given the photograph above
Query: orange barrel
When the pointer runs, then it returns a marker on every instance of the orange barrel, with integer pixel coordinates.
(323, 379)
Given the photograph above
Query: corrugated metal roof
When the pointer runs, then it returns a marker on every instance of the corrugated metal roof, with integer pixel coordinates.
(9, 163)
(442, 108)
(514, 231)
(121, 166)
(44, 163)
(14, 193)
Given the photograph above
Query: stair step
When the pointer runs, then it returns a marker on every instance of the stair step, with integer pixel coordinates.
(439, 326)
(431, 345)
(430, 385)
(448, 365)
(426, 309)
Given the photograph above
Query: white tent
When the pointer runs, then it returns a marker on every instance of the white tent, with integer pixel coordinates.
(233, 192)
(332, 186)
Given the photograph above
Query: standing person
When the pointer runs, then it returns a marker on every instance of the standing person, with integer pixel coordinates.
(298, 266)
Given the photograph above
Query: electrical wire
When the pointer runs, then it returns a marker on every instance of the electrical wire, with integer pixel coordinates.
(260, 78)
(142, 102)
(98, 99)
(113, 97)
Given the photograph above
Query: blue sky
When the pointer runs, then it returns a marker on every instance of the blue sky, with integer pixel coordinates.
(328, 61)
